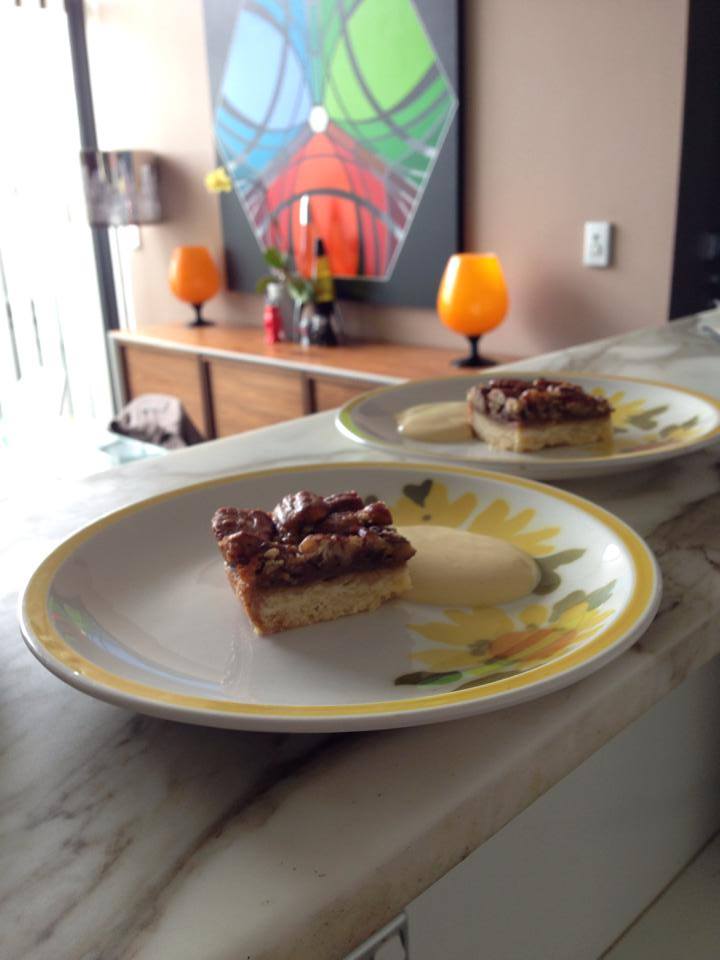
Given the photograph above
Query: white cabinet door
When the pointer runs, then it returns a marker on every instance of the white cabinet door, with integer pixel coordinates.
(568, 875)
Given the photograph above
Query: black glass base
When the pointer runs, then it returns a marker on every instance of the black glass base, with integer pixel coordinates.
(474, 358)
(477, 361)
(200, 320)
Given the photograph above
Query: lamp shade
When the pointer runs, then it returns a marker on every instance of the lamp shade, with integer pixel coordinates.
(121, 187)
(194, 277)
(472, 297)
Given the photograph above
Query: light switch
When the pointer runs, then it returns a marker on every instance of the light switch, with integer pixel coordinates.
(597, 243)
(132, 238)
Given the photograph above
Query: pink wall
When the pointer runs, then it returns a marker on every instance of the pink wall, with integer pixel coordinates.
(573, 113)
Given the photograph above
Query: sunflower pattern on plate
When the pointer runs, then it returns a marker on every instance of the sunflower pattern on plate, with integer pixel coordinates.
(473, 646)
(428, 502)
(642, 421)
(487, 643)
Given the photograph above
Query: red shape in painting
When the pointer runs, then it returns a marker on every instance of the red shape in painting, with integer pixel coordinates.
(348, 203)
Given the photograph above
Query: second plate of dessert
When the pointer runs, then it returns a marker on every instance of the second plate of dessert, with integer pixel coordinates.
(649, 422)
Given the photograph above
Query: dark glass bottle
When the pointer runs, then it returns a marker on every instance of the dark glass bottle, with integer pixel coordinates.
(321, 321)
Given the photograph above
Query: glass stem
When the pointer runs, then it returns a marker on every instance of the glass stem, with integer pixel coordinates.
(200, 320)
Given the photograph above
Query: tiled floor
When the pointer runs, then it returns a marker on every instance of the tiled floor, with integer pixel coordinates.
(682, 923)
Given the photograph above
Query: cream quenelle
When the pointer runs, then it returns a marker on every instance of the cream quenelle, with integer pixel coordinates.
(445, 422)
(458, 568)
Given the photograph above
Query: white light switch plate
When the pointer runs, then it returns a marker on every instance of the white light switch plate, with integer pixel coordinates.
(132, 238)
(597, 243)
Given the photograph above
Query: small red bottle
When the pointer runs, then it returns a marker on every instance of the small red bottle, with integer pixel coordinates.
(272, 318)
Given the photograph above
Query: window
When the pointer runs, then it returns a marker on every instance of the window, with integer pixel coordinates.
(53, 354)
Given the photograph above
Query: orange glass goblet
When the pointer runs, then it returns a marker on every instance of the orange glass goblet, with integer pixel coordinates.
(194, 278)
(472, 299)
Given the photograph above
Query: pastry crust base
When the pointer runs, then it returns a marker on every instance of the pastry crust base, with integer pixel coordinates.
(274, 609)
(521, 438)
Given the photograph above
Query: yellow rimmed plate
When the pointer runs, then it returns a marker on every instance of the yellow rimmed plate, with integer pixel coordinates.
(135, 608)
(651, 422)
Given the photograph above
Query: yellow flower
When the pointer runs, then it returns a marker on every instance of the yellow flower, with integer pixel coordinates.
(673, 433)
(440, 660)
(636, 442)
(480, 623)
(428, 502)
(534, 615)
(496, 521)
(468, 635)
(218, 181)
(622, 412)
(631, 413)
(679, 432)
(486, 638)
(584, 621)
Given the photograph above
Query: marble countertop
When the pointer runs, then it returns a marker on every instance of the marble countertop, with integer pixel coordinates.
(125, 836)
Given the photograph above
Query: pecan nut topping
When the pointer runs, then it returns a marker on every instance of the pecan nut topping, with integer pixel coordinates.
(535, 401)
(309, 537)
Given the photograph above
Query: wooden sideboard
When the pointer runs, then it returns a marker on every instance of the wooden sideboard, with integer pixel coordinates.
(230, 380)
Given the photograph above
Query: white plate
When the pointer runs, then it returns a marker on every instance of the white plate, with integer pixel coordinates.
(135, 608)
(652, 422)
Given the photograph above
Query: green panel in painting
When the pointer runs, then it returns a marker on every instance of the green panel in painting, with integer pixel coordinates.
(384, 143)
(434, 95)
(415, 161)
(344, 96)
(391, 48)
(430, 127)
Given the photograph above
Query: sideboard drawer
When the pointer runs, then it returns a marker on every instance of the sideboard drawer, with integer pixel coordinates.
(250, 395)
(151, 370)
(331, 392)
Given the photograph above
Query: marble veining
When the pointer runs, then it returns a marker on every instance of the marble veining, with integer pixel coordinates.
(126, 836)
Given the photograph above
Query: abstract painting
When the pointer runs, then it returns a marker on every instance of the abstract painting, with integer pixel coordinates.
(342, 113)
